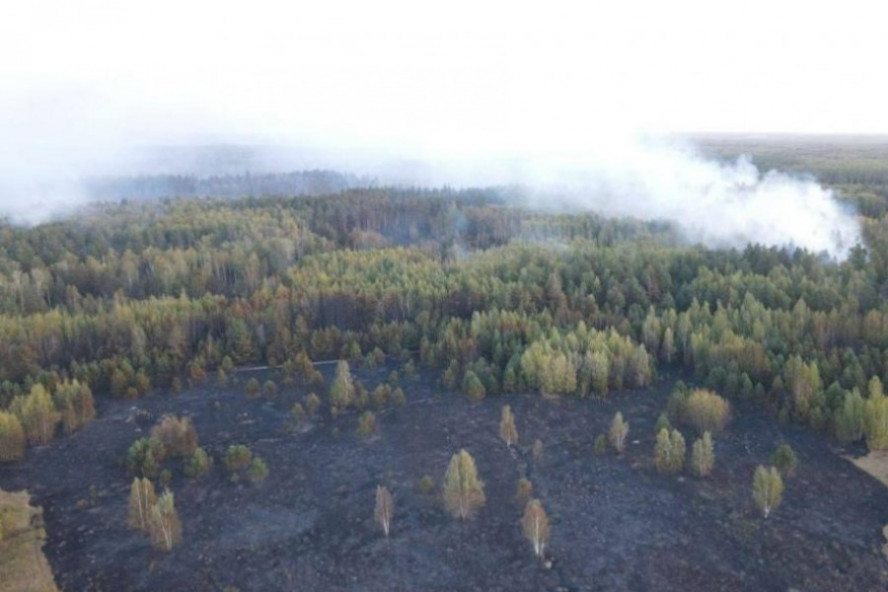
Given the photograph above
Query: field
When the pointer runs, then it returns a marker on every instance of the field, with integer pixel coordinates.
(617, 524)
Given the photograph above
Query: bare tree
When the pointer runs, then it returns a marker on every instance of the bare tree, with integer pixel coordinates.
(385, 508)
(536, 526)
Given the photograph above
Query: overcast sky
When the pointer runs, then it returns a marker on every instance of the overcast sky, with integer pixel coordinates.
(440, 77)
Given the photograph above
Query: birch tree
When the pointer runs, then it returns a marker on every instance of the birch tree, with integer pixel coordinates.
(535, 524)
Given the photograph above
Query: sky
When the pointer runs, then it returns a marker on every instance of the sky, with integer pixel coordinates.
(436, 77)
(585, 96)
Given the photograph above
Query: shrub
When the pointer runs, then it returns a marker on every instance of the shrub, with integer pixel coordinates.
(398, 397)
(257, 471)
(297, 414)
(199, 464)
(270, 388)
(785, 460)
(706, 411)
(252, 388)
(381, 395)
(600, 445)
(662, 423)
(524, 490)
(237, 459)
(426, 484)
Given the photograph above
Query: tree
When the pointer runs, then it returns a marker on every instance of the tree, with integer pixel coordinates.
(850, 418)
(312, 404)
(472, 386)
(535, 524)
(37, 414)
(706, 411)
(237, 459)
(463, 490)
(144, 457)
(12, 438)
(252, 388)
(524, 490)
(507, 430)
(164, 526)
(342, 389)
(618, 431)
(767, 489)
(703, 456)
(785, 460)
(178, 436)
(875, 417)
(670, 451)
(142, 499)
(366, 424)
(385, 508)
(537, 451)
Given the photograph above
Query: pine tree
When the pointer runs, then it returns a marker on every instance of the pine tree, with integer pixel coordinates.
(141, 501)
(508, 431)
(164, 526)
(618, 431)
(463, 490)
(385, 508)
(767, 489)
(535, 524)
(702, 456)
(785, 460)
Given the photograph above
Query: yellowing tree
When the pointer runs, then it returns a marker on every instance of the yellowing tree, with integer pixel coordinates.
(702, 456)
(12, 438)
(508, 431)
(535, 524)
(141, 501)
(463, 491)
(618, 432)
(164, 526)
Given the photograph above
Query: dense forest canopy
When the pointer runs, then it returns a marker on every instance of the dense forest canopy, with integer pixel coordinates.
(130, 295)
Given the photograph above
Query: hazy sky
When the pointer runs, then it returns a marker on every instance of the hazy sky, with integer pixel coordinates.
(441, 77)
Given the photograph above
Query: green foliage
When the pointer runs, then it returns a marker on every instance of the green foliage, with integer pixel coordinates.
(144, 457)
(670, 451)
(507, 430)
(662, 423)
(472, 386)
(312, 404)
(237, 458)
(849, 423)
(269, 388)
(257, 470)
(703, 456)
(784, 460)
(252, 388)
(426, 484)
(767, 489)
(12, 438)
(342, 389)
(199, 464)
(875, 417)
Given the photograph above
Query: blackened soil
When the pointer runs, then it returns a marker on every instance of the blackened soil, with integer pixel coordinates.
(616, 523)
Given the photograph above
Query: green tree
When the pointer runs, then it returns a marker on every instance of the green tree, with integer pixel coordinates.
(472, 386)
(199, 464)
(767, 489)
(849, 423)
(875, 417)
(785, 460)
(463, 490)
(37, 415)
(366, 424)
(703, 456)
(670, 451)
(257, 470)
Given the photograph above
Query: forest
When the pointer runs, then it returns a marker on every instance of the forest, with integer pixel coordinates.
(189, 282)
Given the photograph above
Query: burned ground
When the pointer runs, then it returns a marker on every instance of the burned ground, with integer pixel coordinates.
(616, 523)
